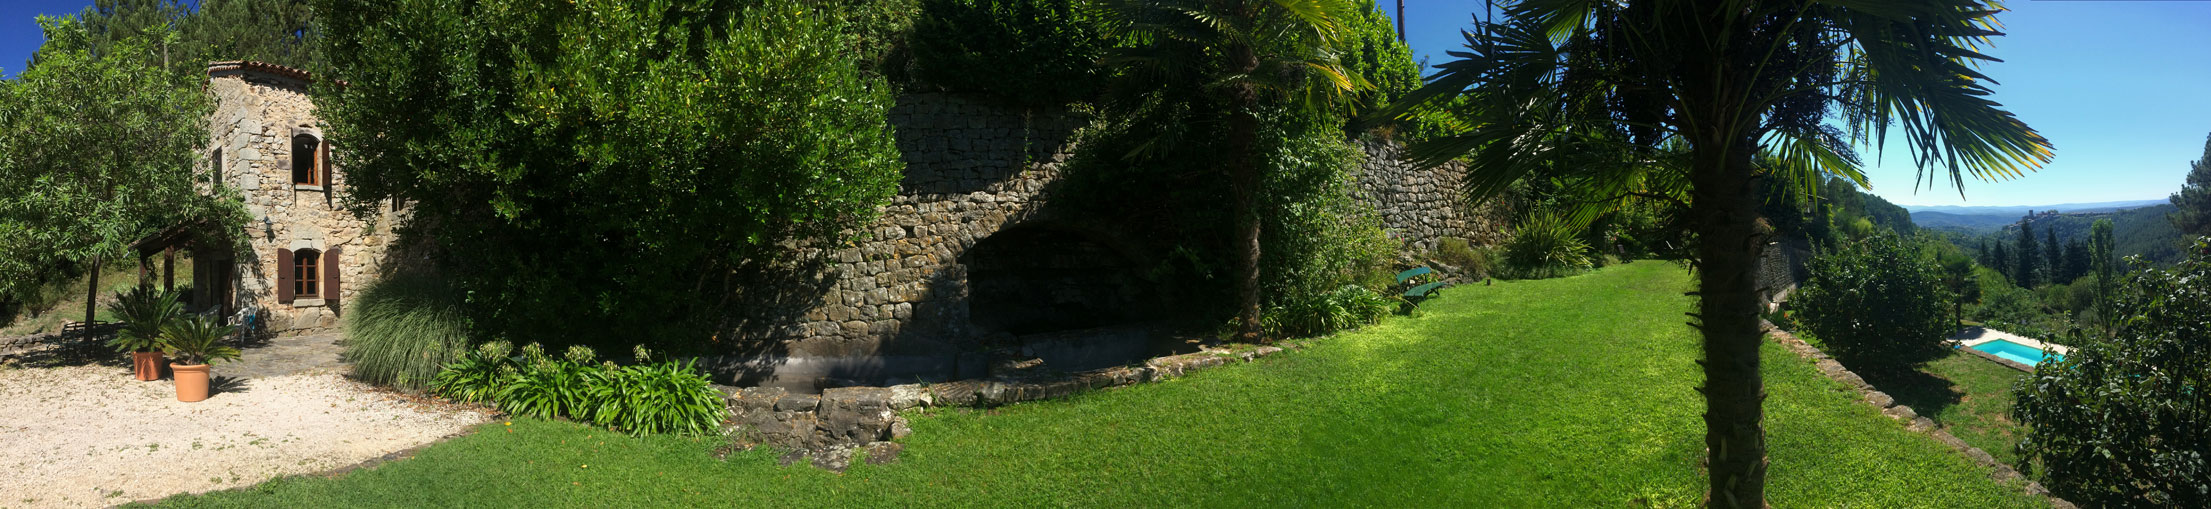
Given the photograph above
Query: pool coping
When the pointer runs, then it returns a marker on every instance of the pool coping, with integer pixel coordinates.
(1966, 339)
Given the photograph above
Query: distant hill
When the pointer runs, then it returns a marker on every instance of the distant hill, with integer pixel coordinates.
(2020, 210)
(2138, 231)
(1968, 223)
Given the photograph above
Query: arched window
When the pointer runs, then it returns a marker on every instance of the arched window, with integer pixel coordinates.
(305, 270)
(306, 160)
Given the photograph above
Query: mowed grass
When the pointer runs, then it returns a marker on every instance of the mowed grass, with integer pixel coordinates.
(1968, 395)
(1574, 392)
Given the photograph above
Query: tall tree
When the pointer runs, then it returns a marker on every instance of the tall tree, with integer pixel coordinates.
(1592, 94)
(2194, 198)
(2100, 243)
(98, 143)
(1957, 276)
(274, 31)
(2053, 256)
(1246, 56)
(2029, 262)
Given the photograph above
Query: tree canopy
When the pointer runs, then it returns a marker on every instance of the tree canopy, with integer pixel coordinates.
(596, 170)
(2193, 202)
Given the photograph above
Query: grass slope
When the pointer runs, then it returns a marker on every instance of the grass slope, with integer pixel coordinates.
(1970, 396)
(1568, 392)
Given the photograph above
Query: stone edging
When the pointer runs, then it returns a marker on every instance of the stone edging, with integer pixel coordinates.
(828, 429)
(1915, 422)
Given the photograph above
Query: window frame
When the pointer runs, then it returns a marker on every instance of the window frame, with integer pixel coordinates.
(314, 160)
(306, 274)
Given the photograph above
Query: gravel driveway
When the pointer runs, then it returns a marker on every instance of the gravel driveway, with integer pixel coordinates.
(90, 435)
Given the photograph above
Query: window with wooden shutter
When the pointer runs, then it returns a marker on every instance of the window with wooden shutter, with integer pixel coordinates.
(284, 276)
(322, 162)
(306, 160)
(306, 274)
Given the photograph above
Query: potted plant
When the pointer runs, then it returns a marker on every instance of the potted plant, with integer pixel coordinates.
(144, 313)
(193, 343)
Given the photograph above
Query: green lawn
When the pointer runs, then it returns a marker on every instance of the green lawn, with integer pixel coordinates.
(1970, 396)
(1574, 392)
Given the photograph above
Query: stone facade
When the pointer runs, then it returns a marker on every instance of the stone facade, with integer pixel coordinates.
(263, 123)
(904, 299)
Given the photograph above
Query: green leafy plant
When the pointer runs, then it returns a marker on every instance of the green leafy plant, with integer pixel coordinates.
(662, 397)
(550, 387)
(2126, 422)
(1545, 245)
(478, 375)
(1472, 261)
(145, 313)
(403, 330)
(197, 340)
(1876, 304)
(1349, 306)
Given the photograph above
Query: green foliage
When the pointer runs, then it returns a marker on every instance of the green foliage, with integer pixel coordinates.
(1476, 262)
(197, 340)
(2105, 269)
(607, 168)
(2127, 421)
(479, 375)
(1959, 276)
(97, 149)
(145, 313)
(2192, 205)
(1349, 307)
(1876, 304)
(1545, 245)
(1038, 52)
(402, 330)
(647, 397)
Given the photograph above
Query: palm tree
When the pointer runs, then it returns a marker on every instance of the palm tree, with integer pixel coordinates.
(1592, 93)
(1242, 55)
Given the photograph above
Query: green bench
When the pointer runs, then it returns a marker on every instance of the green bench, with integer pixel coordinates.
(1413, 296)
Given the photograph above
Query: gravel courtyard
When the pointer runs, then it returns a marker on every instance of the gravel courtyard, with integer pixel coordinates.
(91, 436)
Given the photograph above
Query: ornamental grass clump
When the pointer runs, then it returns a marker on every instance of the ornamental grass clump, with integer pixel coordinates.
(403, 330)
(1545, 245)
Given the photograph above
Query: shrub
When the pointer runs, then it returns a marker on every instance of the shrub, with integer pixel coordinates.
(1545, 245)
(197, 340)
(1876, 303)
(2127, 421)
(664, 397)
(1347, 307)
(1473, 261)
(1039, 52)
(403, 330)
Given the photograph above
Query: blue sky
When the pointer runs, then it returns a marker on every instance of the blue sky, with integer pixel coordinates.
(2123, 88)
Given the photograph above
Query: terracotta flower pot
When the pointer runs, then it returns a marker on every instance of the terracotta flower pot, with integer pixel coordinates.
(147, 365)
(191, 381)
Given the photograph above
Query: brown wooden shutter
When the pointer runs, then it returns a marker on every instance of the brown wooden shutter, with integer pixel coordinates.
(330, 269)
(284, 276)
(323, 159)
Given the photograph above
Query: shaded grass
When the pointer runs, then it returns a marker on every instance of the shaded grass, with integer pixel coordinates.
(66, 301)
(1971, 397)
(1565, 392)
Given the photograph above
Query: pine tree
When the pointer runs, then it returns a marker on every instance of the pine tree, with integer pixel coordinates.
(2028, 262)
(2194, 198)
(2053, 257)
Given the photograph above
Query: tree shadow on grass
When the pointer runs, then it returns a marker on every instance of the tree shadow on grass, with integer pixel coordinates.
(1927, 394)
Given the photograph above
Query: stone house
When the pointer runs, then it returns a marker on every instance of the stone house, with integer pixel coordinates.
(305, 254)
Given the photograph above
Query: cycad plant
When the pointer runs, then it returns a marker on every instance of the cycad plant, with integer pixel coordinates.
(1697, 102)
(145, 313)
(197, 340)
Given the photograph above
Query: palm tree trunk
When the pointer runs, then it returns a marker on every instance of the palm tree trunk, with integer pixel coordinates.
(1244, 178)
(1728, 247)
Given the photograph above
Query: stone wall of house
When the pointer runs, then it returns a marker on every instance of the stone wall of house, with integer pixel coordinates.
(256, 115)
(1422, 206)
(975, 168)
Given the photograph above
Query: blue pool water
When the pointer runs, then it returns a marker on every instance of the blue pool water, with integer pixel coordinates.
(2015, 352)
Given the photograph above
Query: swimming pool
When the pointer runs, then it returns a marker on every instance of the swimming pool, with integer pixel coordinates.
(2015, 352)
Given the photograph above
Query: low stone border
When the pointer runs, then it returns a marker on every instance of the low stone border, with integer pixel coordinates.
(1915, 422)
(829, 429)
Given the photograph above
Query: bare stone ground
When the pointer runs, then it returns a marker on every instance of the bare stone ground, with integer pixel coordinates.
(87, 434)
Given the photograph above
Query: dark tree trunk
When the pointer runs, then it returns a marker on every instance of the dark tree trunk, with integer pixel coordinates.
(1727, 310)
(92, 293)
(1244, 181)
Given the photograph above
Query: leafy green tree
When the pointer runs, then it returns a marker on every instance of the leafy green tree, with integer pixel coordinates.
(1039, 52)
(1876, 304)
(2028, 265)
(605, 170)
(2126, 422)
(1243, 58)
(97, 149)
(1591, 92)
(2100, 256)
(274, 31)
(2194, 198)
